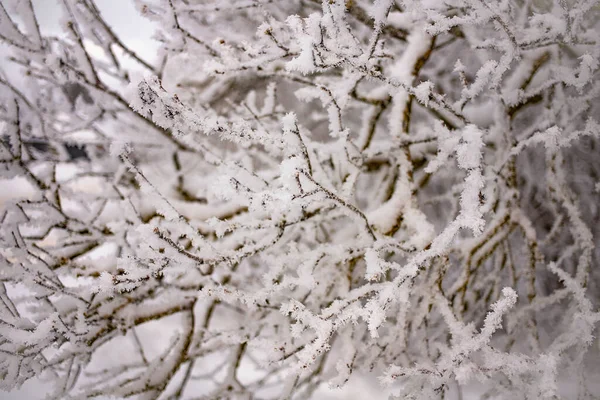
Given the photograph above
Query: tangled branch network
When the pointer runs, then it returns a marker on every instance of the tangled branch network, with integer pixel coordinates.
(288, 195)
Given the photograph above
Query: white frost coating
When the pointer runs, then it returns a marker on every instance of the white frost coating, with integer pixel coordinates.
(269, 103)
(423, 91)
(376, 266)
(379, 10)
(418, 43)
(385, 217)
(493, 321)
(290, 168)
(545, 26)
(237, 241)
(421, 231)
(447, 142)
(42, 330)
(118, 147)
(333, 107)
(588, 65)
(400, 20)
(469, 156)
(471, 215)
(484, 77)
(289, 122)
(468, 151)
(307, 35)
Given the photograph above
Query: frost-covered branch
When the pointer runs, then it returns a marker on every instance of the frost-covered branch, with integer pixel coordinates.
(295, 193)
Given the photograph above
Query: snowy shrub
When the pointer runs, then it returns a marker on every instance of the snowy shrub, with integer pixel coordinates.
(302, 191)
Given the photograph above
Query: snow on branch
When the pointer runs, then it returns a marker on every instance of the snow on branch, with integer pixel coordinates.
(270, 199)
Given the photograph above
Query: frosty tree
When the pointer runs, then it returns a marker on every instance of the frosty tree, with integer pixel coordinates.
(306, 191)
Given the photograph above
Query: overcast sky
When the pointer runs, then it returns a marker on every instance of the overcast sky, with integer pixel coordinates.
(135, 30)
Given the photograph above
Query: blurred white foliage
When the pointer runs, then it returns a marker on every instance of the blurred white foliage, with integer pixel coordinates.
(302, 192)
